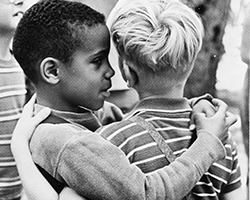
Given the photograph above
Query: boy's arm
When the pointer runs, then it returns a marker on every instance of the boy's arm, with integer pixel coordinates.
(30, 176)
(97, 170)
(171, 178)
(107, 174)
(233, 189)
(102, 172)
(35, 185)
(67, 193)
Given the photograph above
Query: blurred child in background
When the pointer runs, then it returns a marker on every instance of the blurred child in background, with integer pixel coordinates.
(12, 98)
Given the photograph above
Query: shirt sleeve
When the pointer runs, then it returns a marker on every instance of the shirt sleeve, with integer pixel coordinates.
(234, 180)
(96, 169)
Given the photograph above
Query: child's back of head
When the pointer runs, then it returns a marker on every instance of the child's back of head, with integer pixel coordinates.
(52, 28)
(157, 36)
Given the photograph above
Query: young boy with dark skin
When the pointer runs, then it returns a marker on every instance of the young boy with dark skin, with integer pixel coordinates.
(72, 74)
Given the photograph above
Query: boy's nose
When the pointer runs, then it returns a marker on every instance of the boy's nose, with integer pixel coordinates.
(110, 73)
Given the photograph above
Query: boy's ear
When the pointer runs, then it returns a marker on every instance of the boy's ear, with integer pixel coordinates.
(130, 75)
(49, 69)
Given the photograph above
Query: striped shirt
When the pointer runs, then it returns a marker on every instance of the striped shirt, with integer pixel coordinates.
(171, 119)
(12, 97)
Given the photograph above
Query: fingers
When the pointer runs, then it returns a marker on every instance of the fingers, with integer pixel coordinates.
(26, 125)
(197, 118)
(203, 106)
(192, 127)
(41, 115)
(28, 108)
(208, 108)
(210, 112)
(230, 119)
(32, 100)
(221, 107)
(220, 104)
(27, 114)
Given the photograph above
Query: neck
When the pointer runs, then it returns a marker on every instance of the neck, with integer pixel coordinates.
(48, 97)
(164, 92)
(5, 41)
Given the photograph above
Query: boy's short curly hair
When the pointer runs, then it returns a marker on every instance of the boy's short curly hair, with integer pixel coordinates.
(52, 28)
(156, 34)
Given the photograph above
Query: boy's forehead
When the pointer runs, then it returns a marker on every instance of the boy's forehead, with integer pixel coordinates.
(102, 6)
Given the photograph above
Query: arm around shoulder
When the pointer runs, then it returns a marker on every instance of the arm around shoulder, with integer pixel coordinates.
(96, 169)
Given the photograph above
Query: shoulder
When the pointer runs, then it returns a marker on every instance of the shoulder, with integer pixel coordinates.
(124, 134)
(50, 140)
(114, 128)
(56, 134)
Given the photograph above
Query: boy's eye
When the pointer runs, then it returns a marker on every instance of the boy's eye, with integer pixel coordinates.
(19, 3)
(100, 59)
(15, 2)
(97, 61)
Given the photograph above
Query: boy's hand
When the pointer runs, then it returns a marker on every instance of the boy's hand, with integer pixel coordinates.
(68, 193)
(27, 122)
(218, 124)
(203, 106)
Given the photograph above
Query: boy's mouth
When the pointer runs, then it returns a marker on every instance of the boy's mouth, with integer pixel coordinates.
(105, 90)
(105, 93)
(18, 13)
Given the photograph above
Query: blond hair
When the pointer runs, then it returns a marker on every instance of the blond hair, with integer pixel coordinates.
(156, 34)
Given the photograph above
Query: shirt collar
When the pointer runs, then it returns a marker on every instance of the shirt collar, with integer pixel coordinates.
(160, 104)
(85, 118)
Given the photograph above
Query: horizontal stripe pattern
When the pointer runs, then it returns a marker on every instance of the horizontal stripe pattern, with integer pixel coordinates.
(173, 125)
(12, 97)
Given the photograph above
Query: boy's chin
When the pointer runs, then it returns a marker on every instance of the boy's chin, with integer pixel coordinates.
(98, 106)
